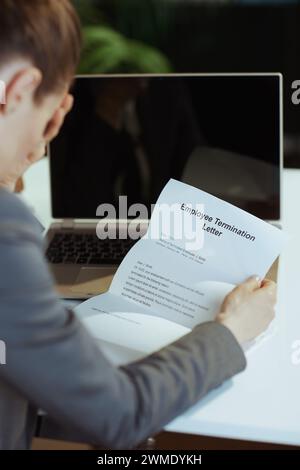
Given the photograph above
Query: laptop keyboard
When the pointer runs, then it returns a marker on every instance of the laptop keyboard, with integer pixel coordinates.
(87, 248)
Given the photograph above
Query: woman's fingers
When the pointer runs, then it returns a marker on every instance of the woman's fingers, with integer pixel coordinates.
(67, 104)
(54, 125)
(270, 287)
(248, 286)
(58, 119)
(253, 283)
(268, 284)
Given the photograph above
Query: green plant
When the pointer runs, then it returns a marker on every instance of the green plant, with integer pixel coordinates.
(106, 50)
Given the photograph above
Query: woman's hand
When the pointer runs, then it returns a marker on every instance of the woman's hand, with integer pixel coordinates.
(52, 130)
(249, 309)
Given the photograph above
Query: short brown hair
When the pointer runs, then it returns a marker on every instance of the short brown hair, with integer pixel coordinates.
(47, 32)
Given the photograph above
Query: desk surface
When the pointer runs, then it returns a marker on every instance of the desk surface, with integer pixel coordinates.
(262, 403)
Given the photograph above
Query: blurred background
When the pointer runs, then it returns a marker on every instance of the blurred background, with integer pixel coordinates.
(164, 36)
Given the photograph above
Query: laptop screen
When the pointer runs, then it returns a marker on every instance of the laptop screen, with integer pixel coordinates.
(127, 136)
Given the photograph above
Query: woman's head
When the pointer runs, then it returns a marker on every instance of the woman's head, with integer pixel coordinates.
(46, 33)
(40, 42)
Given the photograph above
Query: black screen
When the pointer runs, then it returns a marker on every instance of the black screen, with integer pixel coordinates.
(130, 135)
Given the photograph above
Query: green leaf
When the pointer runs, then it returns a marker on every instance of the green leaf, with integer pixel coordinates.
(107, 51)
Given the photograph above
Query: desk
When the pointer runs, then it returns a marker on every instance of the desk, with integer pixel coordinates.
(262, 403)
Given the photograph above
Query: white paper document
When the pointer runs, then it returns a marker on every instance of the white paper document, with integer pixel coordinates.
(196, 249)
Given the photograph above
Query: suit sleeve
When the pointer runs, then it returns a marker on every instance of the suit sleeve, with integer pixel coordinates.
(56, 364)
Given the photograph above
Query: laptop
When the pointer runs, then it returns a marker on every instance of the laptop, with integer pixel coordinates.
(127, 135)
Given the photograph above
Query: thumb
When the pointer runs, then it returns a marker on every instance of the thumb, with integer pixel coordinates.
(252, 284)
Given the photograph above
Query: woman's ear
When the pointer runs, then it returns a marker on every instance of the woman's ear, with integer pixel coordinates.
(21, 88)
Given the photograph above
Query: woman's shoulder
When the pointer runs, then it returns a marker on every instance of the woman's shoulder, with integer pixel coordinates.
(16, 218)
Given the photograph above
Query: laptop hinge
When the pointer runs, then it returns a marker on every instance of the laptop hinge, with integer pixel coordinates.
(68, 224)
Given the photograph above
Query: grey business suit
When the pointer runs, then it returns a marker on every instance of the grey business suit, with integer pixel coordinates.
(54, 364)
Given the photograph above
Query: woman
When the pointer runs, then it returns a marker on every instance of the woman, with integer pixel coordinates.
(52, 361)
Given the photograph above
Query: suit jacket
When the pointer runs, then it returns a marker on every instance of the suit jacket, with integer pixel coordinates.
(54, 364)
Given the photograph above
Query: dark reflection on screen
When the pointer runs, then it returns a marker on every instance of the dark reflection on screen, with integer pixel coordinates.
(129, 136)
